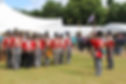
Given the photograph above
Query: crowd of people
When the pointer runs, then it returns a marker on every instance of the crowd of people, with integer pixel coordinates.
(25, 49)
(33, 50)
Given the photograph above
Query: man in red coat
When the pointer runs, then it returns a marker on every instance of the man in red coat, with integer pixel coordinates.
(58, 49)
(68, 47)
(16, 50)
(28, 46)
(110, 48)
(39, 50)
(98, 45)
(7, 46)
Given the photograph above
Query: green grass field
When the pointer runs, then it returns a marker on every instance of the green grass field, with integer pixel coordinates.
(80, 71)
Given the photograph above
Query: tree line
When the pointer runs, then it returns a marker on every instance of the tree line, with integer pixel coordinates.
(77, 12)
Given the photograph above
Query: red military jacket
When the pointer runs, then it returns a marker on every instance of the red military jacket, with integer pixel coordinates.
(8, 42)
(59, 43)
(40, 43)
(97, 44)
(28, 45)
(110, 43)
(68, 42)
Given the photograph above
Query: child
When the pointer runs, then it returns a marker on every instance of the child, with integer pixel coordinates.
(48, 49)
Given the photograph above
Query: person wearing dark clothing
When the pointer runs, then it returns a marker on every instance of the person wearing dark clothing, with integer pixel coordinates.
(119, 43)
(80, 42)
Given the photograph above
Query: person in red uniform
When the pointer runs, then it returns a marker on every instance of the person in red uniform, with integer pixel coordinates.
(110, 48)
(58, 49)
(62, 47)
(98, 45)
(6, 48)
(68, 47)
(39, 50)
(28, 46)
(16, 50)
(8, 44)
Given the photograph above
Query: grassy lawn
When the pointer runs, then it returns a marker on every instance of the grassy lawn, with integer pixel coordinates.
(80, 71)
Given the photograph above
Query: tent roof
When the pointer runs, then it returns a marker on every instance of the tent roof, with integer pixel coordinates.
(11, 18)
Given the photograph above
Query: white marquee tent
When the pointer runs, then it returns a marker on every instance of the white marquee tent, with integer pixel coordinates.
(11, 19)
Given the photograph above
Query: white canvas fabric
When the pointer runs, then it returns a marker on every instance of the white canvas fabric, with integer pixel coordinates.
(11, 19)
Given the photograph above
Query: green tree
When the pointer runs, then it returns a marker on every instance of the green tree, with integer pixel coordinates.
(36, 13)
(117, 13)
(52, 9)
(78, 11)
(110, 2)
(122, 13)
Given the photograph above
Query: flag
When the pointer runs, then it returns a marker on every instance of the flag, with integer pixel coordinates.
(91, 19)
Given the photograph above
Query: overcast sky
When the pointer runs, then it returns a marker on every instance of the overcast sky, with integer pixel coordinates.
(37, 4)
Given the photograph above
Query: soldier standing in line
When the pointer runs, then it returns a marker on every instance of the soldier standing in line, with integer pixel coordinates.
(110, 48)
(39, 50)
(68, 49)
